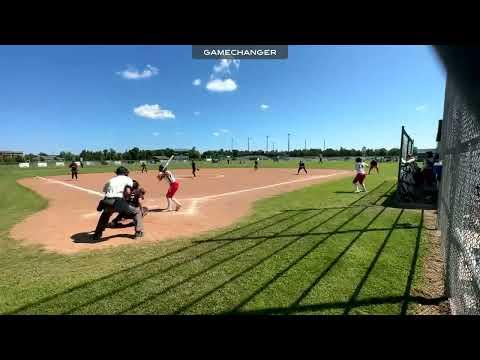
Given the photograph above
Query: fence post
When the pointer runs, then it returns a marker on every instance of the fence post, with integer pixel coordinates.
(400, 162)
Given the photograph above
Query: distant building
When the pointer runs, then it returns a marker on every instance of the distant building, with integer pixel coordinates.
(160, 158)
(10, 154)
(47, 158)
(254, 157)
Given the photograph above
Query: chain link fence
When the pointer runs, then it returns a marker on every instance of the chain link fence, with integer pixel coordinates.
(459, 202)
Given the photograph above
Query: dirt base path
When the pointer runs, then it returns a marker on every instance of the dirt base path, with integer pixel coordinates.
(215, 198)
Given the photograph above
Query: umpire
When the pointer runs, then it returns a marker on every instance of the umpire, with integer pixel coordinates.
(114, 201)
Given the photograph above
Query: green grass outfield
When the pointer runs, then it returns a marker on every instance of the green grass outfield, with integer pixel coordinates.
(318, 250)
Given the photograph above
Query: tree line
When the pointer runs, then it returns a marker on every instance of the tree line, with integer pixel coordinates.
(342, 152)
(139, 154)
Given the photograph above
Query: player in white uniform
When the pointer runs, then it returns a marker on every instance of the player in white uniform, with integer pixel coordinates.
(172, 189)
(361, 174)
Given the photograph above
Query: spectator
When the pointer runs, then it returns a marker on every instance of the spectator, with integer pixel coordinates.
(428, 169)
(437, 168)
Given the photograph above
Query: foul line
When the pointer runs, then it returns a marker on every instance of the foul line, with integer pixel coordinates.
(208, 197)
(72, 186)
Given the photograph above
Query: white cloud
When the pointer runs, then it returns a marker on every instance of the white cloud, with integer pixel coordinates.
(220, 81)
(224, 66)
(153, 112)
(197, 82)
(155, 133)
(196, 113)
(131, 73)
(264, 106)
(218, 85)
(216, 133)
(421, 107)
(224, 131)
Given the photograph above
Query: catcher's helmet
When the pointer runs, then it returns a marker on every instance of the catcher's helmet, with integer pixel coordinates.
(122, 171)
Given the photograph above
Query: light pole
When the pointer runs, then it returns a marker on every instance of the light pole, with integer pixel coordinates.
(288, 142)
(267, 144)
(248, 146)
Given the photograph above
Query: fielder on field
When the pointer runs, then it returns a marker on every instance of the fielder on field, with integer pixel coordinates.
(74, 169)
(373, 165)
(360, 176)
(194, 168)
(301, 166)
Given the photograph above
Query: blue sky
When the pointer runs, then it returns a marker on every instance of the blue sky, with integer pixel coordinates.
(55, 98)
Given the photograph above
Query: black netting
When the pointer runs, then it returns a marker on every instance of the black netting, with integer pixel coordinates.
(459, 202)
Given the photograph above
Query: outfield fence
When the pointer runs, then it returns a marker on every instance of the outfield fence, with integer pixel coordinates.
(459, 202)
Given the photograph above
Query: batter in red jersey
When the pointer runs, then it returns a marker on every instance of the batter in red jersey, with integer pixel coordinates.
(172, 189)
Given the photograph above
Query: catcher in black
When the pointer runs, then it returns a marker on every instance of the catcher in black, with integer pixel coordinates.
(373, 164)
(194, 168)
(301, 166)
(144, 167)
(134, 196)
(74, 169)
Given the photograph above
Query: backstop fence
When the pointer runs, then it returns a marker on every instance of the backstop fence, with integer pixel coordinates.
(459, 202)
(406, 170)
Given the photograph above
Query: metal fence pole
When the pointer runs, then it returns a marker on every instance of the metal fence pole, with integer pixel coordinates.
(400, 160)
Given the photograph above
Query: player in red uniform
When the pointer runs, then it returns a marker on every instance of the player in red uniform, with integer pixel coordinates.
(360, 174)
(172, 189)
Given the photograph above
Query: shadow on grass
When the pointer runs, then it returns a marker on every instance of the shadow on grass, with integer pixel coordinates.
(343, 305)
(229, 249)
(347, 306)
(137, 267)
(393, 201)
